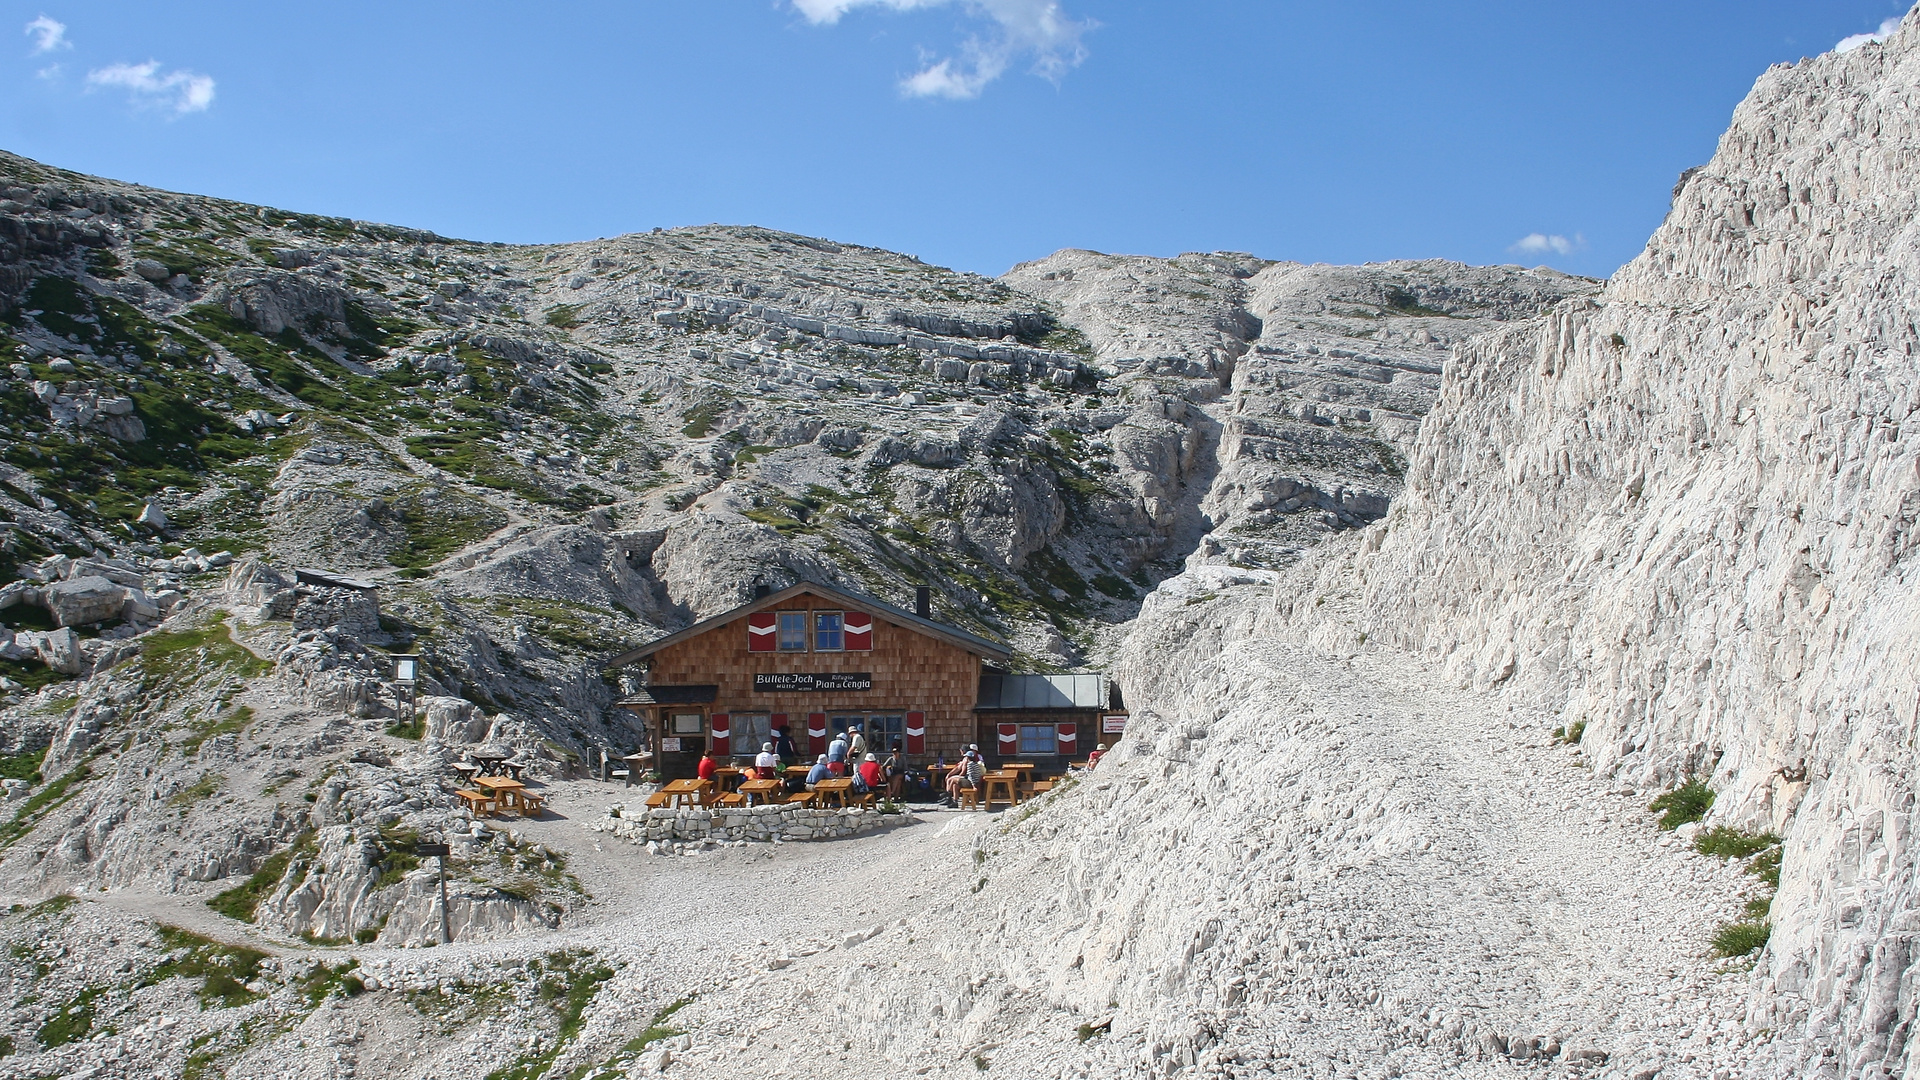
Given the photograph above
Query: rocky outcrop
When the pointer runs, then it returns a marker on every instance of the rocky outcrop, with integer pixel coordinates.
(1684, 513)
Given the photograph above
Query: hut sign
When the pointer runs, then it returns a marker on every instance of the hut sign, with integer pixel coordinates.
(786, 681)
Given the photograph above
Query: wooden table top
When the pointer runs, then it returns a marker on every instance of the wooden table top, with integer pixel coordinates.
(841, 784)
(497, 782)
(760, 787)
(684, 787)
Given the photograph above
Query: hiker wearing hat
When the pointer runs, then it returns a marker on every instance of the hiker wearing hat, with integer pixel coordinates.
(819, 771)
(767, 765)
(1094, 758)
(837, 754)
(895, 771)
(968, 775)
(856, 743)
(870, 776)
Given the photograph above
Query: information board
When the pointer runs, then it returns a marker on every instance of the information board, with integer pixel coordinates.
(804, 682)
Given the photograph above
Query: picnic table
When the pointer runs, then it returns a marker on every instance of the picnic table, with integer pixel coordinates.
(505, 791)
(687, 792)
(761, 790)
(637, 764)
(1022, 770)
(999, 780)
(491, 762)
(833, 789)
(728, 777)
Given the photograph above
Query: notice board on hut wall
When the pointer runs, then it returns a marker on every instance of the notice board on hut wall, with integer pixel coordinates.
(802, 682)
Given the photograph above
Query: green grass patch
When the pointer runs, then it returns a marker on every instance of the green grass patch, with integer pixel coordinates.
(414, 729)
(243, 900)
(231, 721)
(567, 990)
(1683, 805)
(223, 970)
(23, 766)
(563, 316)
(173, 659)
(1571, 734)
(439, 523)
(32, 674)
(204, 788)
(43, 802)
(72, 1021)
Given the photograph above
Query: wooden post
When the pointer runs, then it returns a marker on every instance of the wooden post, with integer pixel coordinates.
(440, 852)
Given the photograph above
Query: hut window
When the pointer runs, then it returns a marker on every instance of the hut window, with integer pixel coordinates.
(793, 631)
(1037, 740)
(686, 723)
(827, 635)
(750, 730)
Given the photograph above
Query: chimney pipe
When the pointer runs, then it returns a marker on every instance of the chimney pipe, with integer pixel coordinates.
(923, 602)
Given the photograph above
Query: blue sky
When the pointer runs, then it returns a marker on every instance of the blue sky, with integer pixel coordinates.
(972, 133)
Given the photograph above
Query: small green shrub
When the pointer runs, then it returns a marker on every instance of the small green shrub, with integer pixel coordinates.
(1683, 805)
(408, 729)
(203, 788)
(1571, 734)
(1741, 937)
(1727, 843)
(563, 316)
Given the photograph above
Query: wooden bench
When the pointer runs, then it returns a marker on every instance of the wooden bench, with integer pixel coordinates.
(531, 805)
(1040, 787)
(731, 798)
(479, 802)
(659, 799)
(804, 798)
(969, 798)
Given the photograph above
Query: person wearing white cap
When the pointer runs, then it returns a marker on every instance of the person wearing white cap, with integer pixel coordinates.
(767, 765)
(819, 771)
(870, 772)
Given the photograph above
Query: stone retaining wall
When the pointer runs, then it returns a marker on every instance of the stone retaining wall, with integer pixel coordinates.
(766, 824)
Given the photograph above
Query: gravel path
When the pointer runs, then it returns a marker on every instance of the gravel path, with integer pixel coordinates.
(1296, 866)
(1325, 868)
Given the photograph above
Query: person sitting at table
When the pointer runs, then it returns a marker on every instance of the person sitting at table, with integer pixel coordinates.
(707, 765)
(783, 746)
(1094, 758)
(767, 765)
(819, 772)
(870, 775)
(837, 754)
(895, 771)
(968, 775)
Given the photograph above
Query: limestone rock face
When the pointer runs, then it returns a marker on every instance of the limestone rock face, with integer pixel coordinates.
(1686, 511)
(83, 601)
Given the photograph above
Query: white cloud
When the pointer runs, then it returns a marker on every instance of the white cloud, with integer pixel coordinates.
(1541, 243)
(1021, 28)
(181, 91)
(1848, 44)
(48, 35)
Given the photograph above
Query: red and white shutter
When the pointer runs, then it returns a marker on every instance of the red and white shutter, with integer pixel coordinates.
(1069, 738)
(775, 723)
(816, 733)
(760, 626)
(722, 743)
(1009, 740)
(916, 733)
(859, 631)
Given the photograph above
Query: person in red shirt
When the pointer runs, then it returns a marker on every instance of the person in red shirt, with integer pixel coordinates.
(870, 773)
(707, 765)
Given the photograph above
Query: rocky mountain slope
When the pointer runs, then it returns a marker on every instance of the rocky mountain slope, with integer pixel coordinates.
(1682, 513)
(540, 455)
